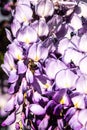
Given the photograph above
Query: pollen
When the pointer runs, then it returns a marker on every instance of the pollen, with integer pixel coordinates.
(25, 19)
(27, 40)
(21, 125)
(67, 85)
(19, 57)
(76, 105)
(47, 85)
(25, 95)
(36, 58)
(62, 101)
(60, 113)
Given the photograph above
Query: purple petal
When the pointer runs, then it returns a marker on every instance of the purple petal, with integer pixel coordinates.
(15, 26)
(81, 84)
(36, 97)
(44, 8)
(17, 126)
(63, 45)
(78, 101)
(58, 110)
(9, 120)
(50, 107)
(21, 67)
(8, 63)
(74, 123)
(10, 105)
(45, 85)
(83, 12)
(62, 97)
(55, 21)
(69, 30)
(8, 33)
(27, 111)
(18, 51)
(11, 90)
(70, 113)
(50, 128)
(83, 64)
(24, 85)
(57, 64)
(44, 123)
(29, 76)
(76, 22)
(75, 40)
(13, 77)
(23, 13)
(83, 43)
(41, 27)
(82, 117)
(20, 98)
(75, 57)
(60, 124)
(21, 2)
(66, 79)
(36, 86)
(27, 35)
(35, 52)
(37, 109)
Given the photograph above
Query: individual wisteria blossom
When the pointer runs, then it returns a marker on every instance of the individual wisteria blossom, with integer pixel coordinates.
(64, 44)
(44, 8)
(82, 43)
(23, 13)
(81, 83)
(57, 64)
(83, 62)
(9, 64)
(75, 57)
(68, 81)
(27, 35)
(46, 65)
(35, 52)
(18, 51)
(15, 26)
(76, 22)
(78, 101)
(82, 11)
(27, 2)
(41, 27)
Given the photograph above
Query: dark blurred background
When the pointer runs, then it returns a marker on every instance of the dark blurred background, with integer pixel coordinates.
(5, 19)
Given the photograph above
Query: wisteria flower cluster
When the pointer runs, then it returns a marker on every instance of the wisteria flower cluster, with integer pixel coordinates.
(46, 64)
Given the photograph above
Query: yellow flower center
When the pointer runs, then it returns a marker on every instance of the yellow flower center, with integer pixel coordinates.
(47, 85)
(76, 105)
(21, 125)
(67, 85)
(25, 19)
(62, 101)
(25, 95)
(36, 58)
(19, 57)
(27, 40)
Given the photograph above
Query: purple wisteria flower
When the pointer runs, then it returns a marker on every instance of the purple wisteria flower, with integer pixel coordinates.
(46, 65)
(23, 12)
